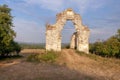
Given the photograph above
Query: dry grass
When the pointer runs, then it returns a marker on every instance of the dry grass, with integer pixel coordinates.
(28, 51)
(71, 67)
(93, 65)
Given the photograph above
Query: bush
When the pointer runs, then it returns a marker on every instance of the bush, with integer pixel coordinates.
(13, 47)
(49, 56)
(108, 48)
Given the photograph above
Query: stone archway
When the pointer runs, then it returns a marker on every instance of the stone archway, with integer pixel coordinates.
(80, 39)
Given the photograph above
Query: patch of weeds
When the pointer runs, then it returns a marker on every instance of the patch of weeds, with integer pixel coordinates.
(33, 58)
(49, 56)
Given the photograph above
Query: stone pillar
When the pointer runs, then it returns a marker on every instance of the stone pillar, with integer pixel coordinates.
(83, 42)
(73, 42)
(53, 40)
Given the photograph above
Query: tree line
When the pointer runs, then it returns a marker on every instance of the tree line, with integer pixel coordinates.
(7, 34)
(107, 48)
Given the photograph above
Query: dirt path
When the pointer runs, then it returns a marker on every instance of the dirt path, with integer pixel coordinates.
(89, 66)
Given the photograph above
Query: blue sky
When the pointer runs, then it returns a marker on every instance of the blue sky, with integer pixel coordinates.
(30, 17)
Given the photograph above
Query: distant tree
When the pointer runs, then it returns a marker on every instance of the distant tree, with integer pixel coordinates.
(7, 34)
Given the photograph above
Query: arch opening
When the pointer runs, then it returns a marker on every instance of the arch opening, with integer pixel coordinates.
(67, 32)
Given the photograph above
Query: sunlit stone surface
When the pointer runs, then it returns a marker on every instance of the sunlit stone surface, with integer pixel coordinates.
(79, 40)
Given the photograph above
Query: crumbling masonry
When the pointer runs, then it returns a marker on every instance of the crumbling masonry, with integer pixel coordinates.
(79, 40)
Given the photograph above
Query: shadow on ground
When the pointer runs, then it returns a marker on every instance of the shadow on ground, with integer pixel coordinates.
(41, 71)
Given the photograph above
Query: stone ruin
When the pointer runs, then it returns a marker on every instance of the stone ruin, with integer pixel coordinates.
(79, 40)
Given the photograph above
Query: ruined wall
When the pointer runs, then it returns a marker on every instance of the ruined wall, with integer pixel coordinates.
(53, 32)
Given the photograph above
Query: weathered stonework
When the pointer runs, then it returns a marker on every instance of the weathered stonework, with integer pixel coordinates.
(79, 40)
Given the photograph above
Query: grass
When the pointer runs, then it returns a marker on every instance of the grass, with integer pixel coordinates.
(49, 56)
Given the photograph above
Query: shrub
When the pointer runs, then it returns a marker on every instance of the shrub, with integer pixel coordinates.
(33, 58)
(50, 56)
(13, 47)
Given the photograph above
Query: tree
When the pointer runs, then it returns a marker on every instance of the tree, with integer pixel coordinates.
(7, 34)
(108, 48)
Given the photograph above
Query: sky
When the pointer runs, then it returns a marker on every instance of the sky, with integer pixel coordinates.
(30, 17)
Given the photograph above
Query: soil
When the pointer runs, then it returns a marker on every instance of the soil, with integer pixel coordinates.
(69, 66)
